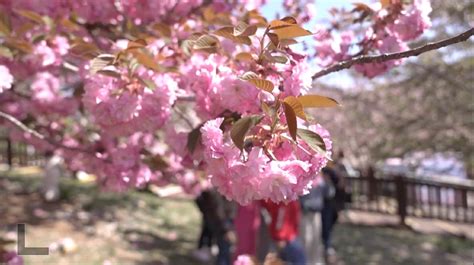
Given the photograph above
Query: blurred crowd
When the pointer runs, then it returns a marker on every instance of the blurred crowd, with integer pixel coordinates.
(264, 232)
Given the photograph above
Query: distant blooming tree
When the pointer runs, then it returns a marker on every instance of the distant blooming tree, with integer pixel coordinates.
(152, 91)
(424, 106)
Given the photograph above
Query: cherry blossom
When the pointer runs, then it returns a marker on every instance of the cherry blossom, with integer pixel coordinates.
(6, 79)
(149, 91)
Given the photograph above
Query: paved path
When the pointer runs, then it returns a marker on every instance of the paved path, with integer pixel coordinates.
(422, 225)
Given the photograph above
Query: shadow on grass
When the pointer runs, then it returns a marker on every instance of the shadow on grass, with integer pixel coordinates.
(392, 244)
(151, 242)
(145, 229)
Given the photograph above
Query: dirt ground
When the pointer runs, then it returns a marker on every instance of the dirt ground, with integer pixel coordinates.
(141, 228)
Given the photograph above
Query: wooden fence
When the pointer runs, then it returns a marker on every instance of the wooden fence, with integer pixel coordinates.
(407, 196)
(396, 195)
(18, 154)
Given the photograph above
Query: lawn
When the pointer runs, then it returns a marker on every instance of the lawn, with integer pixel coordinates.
(137, 227)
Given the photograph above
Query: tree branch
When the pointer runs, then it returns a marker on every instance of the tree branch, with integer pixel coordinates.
(392, 56)
(38, 135)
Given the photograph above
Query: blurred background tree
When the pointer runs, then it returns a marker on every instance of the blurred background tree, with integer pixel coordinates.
(429, 106)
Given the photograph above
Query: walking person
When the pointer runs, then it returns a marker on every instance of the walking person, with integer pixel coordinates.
(206, 206)
(284, 229)
(247, 224)
(310, 229)
(329, 212)
(53, 171)
(218, 216)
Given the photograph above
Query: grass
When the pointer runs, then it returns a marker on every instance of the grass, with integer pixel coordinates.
(140, 228)
(389, 245)
(123, 228)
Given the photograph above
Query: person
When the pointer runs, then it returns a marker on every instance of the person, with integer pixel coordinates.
(218, 214)
(223, 223)
(329, 212)
(284, 228)
(310, 229)
(264, 240)
(52, 173)
(205, 205)
(247, 224)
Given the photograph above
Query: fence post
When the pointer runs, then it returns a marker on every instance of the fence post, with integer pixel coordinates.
(401, 189)
(9, 153)
(372, 183)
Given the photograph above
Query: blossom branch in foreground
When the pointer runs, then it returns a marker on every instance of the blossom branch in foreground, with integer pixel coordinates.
(392, 56)
(36, 134)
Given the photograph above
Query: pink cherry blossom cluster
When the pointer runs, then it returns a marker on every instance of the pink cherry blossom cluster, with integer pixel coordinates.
(47, 96)
(217, 87)
(6, 78)
(244, 179)
(123, 106)
(107, 11)
(393, 25)
(125, 122)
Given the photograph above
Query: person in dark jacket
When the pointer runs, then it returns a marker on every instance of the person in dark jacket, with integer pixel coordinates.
(329, 213)
(206, 238)
(218, 214)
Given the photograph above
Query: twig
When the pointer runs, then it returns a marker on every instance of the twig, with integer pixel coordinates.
(392, 56)
(38, 135)
(182, 116)
(21, 125)
(184, 98)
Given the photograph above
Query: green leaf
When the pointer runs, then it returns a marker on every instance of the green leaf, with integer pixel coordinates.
(38, 37)
(296, 106)
(317, 101)
(194, 137)
(19, 45)
(249, 75)
(33, 16)
(5, 52)
(278, 24)
(242, 127)
(100, 62)
(313, 140)
(290, 20)
(85, 49)
(135, 44)
(262, 84)
(228, 33)
(148, 83)
(290, 32)
(280, 59)
(146, 59)
(187, 46)
(267, 109)
(273, 38)
(109, 72)
(254, 79)
(163, 29)
(244, 56)
(291, 120)
(155, 162)
(243, 29)
(5, 24)
(287, 42)
(206, 43)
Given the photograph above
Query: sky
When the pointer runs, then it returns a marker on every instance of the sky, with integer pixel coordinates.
(273, 7)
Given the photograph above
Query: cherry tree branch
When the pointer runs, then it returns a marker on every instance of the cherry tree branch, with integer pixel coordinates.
(392, 56)
(38, 135)
(182, 116)
(21, 125)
